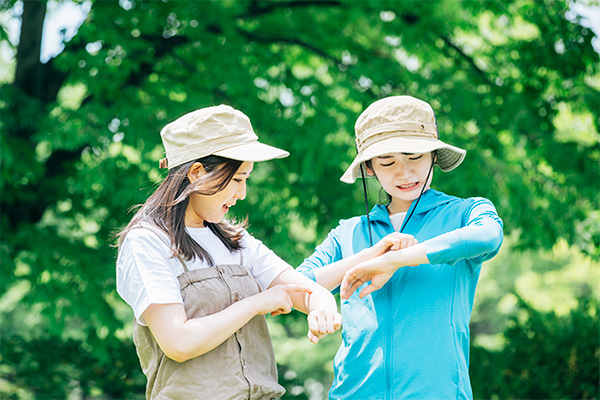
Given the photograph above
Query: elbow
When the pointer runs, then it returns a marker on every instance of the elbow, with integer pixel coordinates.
(175, 354)
(177, 351)
(488, 242)
(493, 237)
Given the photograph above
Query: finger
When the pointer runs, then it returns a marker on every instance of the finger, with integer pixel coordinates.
(276, 312)
(349, 277)
(322, 323)
(344, 285)
(367, 291)
(287, 307)
(315, 324)
(355, 285)
(312, 337)
(312, 322)
(337, 321)
(297, 289)
(405, 242)
(330, 320)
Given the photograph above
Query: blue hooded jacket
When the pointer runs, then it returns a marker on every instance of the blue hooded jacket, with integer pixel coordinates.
(410, 339)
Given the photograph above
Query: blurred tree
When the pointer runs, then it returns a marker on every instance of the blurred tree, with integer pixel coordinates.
(550, 357)
(514, 82)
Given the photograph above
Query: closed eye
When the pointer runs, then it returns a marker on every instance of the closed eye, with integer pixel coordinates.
(416, 157)
(387, 165)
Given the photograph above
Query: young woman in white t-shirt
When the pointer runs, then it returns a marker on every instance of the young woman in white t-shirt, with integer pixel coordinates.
(199, 285)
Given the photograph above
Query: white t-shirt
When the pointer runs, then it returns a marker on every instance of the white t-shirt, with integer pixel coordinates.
(147, 274)
(397, 220)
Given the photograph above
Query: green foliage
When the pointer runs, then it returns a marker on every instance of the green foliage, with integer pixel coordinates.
(514, 82)
(54, 368)
(549, 357)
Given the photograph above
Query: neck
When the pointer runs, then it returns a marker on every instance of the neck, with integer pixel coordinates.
(397, 206)
(192, 221)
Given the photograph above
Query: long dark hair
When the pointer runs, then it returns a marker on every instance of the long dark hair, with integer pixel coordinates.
(166, 207)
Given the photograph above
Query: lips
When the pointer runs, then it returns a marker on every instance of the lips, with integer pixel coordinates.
(408, 186)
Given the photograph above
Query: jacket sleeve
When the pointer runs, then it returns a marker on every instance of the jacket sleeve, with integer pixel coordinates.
(329, 251)
(478, 241)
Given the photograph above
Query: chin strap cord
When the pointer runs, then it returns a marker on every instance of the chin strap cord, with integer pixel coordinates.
(362, 173)
(419, 198)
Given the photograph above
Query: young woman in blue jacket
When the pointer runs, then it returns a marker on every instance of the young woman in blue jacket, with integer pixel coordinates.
(405, 312)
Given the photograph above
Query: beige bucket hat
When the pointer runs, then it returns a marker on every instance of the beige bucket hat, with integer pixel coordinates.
(220, 131)
(400, 124)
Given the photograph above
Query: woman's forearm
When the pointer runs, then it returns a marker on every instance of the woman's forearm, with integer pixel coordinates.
(408, 257)
(318, 299)
(330, 276)
(182, 339)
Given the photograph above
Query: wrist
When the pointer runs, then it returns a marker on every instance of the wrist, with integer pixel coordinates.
(321, 300)
(394, 259)
(252, 304)
(368, 254)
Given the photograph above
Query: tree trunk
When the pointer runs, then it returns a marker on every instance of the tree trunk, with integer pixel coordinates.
(28, 75)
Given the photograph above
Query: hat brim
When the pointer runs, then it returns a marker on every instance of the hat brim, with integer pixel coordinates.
(252, 152)
(448, 156)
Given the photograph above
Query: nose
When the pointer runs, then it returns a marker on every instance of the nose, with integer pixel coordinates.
(402, 169)
(241, 192)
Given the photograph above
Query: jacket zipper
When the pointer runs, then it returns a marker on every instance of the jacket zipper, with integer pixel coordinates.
(388, 344)
(389, 338)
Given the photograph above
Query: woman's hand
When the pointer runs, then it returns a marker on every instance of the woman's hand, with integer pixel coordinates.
(321, 323)
(378, 270)
(276, 300)
(393, 241)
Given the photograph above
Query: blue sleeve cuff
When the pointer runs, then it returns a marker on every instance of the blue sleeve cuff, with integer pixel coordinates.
(477, 242)
(306, 271)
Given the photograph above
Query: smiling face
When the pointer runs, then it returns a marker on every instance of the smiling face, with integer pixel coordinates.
(212, 208)
(402, 176)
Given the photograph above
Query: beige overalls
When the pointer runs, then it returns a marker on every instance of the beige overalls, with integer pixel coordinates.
(242, 367)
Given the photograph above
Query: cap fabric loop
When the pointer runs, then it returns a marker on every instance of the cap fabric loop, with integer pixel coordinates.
(400, 124)
(219, 130)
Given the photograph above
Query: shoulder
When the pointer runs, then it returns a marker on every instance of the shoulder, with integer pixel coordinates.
(349, 223)
(252, 247)
(344, 228)
(142, 238)
(479, 203)
(141, 233)
(441, 199)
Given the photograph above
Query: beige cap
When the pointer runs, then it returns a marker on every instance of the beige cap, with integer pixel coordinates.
(220, 131)
(400, 124)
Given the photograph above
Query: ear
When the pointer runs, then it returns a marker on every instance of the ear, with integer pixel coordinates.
(196, 171)
(369, 170)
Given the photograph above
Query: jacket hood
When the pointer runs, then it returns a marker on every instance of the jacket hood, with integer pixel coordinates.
(430, 199)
